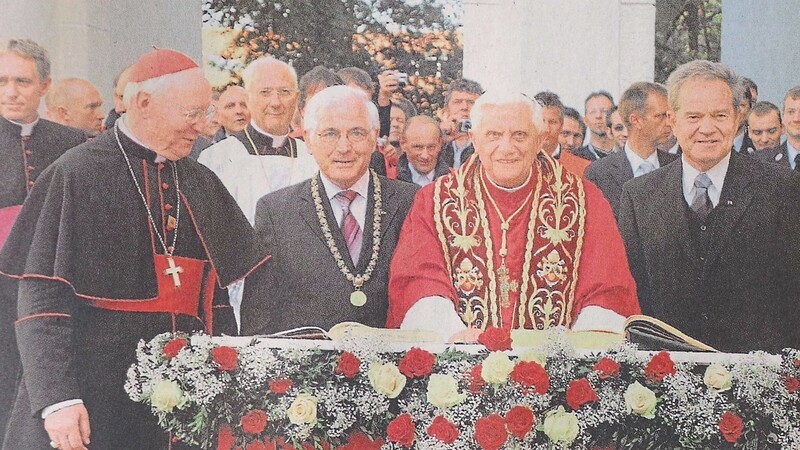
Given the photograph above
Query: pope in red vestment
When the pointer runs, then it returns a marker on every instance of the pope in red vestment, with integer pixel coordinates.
(510, 240)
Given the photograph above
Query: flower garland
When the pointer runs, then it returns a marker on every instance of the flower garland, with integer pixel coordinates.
(254, 397)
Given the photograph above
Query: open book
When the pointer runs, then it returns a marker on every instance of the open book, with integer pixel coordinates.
(652, 334)
(344, 330)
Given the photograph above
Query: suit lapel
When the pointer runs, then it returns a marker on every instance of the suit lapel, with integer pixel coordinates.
(622, 171)
(734, 201)
(673, 209)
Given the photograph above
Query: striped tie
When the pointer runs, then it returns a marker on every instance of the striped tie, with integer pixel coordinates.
(350, 229)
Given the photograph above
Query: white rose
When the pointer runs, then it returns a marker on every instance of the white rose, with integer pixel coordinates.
(641, 400)
(303, 410)
(386, 379)
(561, 426)
(496, 368)
(531, 355)
(166, 396)
(443, 391)
(717, 378)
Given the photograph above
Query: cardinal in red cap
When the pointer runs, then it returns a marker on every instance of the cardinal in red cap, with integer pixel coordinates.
(121, 239)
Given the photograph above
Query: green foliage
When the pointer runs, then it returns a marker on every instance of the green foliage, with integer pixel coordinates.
(686, 30)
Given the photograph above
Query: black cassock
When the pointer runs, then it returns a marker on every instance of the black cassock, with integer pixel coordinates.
(21, 163)
(87, 254)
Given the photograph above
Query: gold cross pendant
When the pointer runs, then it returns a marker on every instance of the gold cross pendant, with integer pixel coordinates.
(506, 285)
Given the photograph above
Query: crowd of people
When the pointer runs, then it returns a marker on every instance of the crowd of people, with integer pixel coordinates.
(309, 201)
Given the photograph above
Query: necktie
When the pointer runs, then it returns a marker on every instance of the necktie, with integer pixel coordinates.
(350, 229)
(797, 162)
(701, 204)
(645, 168)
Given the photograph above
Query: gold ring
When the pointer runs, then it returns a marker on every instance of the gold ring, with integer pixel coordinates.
(54, 444)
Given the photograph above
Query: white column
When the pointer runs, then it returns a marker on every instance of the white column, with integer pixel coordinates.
(571, 47)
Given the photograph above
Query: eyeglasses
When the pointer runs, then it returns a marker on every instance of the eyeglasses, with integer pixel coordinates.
(282, 92)
(332, 135)
(194, 115)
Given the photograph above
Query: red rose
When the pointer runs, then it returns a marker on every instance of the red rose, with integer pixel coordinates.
(417, 363)
(281, 444)
(792, 384)
(659, 367)
(349, 365)
(496, 339)
(280, 387)
(360, 441)
(607, 367)
(256, 445)
(531, 374)
(580, 392)
(490, 432)
(519, 421)
(401, 430)
(476, 381)
(443, 430)
(225, 357)
(173, 347)
(254, 421)
(269, 444)
(225, 438)
(731, 426)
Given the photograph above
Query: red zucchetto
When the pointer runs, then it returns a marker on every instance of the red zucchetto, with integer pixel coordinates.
(159, 62)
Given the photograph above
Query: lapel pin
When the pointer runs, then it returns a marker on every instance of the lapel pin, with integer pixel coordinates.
(729, 202)
(778, 157)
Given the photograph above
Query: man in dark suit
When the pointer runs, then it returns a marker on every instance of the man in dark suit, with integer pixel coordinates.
(458, 101)
(712, 240)
(787, 154)
(421, 141)
(601, 143)
(643, 109)
(331, 237)
(764, 126)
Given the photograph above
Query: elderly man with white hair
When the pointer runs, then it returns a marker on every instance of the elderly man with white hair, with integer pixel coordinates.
(331, 237)
(262, 158)
(120, 240)
(511, 240)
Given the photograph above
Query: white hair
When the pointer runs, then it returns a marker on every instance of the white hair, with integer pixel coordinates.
(504, 98)
(334, 96)
(151, 86)
(247, 73)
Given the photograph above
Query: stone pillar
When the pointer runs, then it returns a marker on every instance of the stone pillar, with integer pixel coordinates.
(760, 41)
(96, 39)
(569, 47)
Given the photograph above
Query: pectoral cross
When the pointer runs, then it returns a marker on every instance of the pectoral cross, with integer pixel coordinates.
(174, 272)
(506, 285)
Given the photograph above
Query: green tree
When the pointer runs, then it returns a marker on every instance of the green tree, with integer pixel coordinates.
(416, 37)
(686, 30)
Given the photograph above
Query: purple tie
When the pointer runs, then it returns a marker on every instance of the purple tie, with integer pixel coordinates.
(350, 229)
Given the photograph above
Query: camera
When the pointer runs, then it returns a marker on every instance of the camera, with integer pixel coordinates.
(464, 125)
(402, 79)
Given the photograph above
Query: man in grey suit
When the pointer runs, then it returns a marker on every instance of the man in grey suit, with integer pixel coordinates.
(712, 241)
(331, 237)
(643, 108)
(787, 154)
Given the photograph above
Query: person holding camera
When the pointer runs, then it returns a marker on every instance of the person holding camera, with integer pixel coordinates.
(459, 98)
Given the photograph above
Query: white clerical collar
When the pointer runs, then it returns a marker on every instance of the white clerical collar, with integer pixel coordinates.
(27, 128)
(331, 189)
(123, 127)
(716, 174)
(635, 160)
(277, 141)
(513, 189)
(421, 179)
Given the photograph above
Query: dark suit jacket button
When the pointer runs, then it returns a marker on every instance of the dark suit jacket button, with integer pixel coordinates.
(703, 228)
(704, 316)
